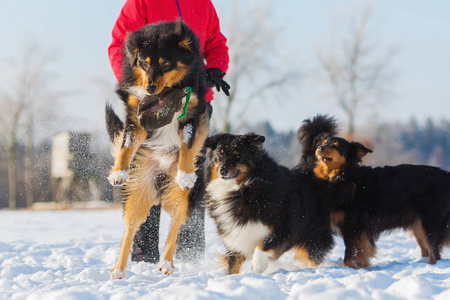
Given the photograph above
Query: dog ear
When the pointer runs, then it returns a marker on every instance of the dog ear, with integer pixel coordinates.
(182, 30)
(213, 141)
(358, 150)
(186, 44)
(131, 49)
(255, 140)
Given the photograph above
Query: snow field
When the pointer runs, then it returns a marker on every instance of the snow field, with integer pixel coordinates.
(68, 255)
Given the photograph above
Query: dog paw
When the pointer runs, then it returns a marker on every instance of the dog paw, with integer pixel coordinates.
(118, 274)
(260, 261)
(185, 180)
(166, 267)
(118, 178)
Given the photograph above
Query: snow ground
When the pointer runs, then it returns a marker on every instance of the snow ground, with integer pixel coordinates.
(68, 255)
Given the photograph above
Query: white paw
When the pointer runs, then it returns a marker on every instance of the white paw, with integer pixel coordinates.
(165, 267)
(118, 274)
(260, 260)
(184, 180)
(118, 178)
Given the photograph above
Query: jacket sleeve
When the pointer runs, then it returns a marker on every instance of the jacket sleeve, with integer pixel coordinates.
(216, 50)
(131, 18)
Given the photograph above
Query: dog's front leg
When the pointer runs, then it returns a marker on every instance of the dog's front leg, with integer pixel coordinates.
(133, 137)
(192, 137)
(234, 261)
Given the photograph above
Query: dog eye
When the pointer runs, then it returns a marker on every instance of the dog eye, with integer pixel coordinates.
(144, 63)
(165, 65)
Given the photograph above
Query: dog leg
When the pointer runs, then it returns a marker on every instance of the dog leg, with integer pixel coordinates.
(191, 140)
(260, 259)
(302, 255)
(358, 252)
(422, 238)
(233, 262)
(133, 137)
(136, 212)
(176, 205)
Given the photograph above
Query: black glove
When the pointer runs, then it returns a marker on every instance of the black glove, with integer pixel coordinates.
(214, 79)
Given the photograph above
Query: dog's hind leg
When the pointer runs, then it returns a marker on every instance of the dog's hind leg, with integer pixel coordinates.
(135, 213)
(422, 238)
(176, 204)
(140, 194)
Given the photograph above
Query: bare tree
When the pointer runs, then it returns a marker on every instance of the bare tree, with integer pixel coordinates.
(251, 74)
(21, 99)
(358, 75)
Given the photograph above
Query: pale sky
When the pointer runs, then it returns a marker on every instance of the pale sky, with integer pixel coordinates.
(80, 32)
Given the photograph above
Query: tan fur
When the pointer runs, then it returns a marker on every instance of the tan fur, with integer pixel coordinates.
(337, 218)
(423, 241)
(330, 168)
(186, 44)
(171, 78)
(141, 192)
(303, 256)
(363, 251)
(188, 155)
(125, 154)
(243, 174)
(236, 268)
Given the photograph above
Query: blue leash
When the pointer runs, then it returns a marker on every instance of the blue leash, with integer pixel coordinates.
(179, 10)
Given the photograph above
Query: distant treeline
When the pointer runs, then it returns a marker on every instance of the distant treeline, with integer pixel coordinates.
(392, 144)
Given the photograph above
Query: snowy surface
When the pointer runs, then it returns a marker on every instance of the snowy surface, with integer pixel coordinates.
(68, 255)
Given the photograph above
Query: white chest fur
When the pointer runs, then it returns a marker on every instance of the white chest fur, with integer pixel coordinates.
(242, 238)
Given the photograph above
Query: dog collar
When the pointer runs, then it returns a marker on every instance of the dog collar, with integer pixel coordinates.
(188, 97)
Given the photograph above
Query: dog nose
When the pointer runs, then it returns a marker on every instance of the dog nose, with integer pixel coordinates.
(151, 89)
(224, 171)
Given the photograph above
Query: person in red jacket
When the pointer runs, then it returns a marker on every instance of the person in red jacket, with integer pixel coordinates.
(201, 16)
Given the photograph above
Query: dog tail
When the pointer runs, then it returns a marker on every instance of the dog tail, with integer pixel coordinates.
(113, 123)
(311, 129)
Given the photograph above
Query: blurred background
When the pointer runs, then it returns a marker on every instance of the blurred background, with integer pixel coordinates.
(380, 67)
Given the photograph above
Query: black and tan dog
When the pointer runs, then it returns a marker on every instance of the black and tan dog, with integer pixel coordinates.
(162, 62)
(367, 201)
(261, 210)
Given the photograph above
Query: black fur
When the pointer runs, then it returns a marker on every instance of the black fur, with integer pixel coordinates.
(381, 199)
(113, 123)
(267, 193)
(309, 134)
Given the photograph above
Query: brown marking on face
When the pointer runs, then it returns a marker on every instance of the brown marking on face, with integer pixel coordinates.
(302, 255)
(362, 250)
(170, 78)
(243, 173)
(329, 161)
(139, 76)
(214, 174)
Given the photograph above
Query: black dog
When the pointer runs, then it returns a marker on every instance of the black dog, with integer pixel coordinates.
(365, 202)
(260, 208)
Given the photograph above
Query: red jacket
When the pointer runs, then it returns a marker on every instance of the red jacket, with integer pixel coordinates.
(200, 15)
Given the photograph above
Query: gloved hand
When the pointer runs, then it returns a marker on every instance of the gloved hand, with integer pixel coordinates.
(214, 79)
